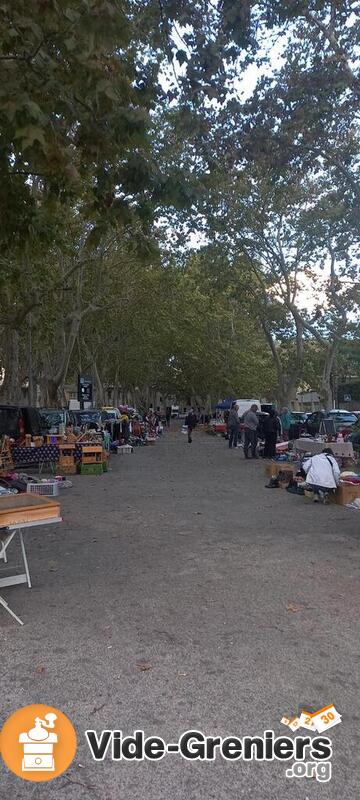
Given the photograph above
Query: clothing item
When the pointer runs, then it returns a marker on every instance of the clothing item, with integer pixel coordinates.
(233, 420)
(233, 437)
(251, 420)
(286, 421)
(250, 442)
(322, 470)
(271, 425)
(191, 420)
(270, 445)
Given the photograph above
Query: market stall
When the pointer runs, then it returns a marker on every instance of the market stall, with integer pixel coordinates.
(285, 471)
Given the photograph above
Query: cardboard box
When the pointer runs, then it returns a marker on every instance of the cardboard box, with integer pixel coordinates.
(273, 468)
(346, 493)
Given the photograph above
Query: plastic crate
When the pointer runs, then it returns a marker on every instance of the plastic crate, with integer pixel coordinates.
(91, 469)
(124, 450)
(43, 488)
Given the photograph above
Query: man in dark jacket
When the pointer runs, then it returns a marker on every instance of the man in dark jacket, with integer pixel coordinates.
(271, 429)
(233, 425)
(190, 422)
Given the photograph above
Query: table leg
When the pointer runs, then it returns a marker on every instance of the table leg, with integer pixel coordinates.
(5, 544)
(3, 552)
(25, 559)
(9, 610)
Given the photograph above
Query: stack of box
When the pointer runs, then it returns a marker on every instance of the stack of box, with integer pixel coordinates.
(91, 460)
(67, 459)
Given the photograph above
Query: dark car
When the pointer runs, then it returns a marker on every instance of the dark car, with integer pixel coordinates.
(267, 407)
(297, 417)
(343, 420)
(17, 419)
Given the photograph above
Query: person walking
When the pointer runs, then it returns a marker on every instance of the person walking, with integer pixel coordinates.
(190, 422)
(168, 416)
(251, 424)
(233, 426)
(285, 419)
(271, 430)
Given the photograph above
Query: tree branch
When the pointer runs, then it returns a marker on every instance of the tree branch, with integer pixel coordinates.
(330, 35)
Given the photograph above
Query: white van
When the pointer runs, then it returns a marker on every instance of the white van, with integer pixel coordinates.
(245, 405)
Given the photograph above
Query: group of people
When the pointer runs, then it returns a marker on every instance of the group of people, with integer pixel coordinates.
(272, 425)
(321, 472)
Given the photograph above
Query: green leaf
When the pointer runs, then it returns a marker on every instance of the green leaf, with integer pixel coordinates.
(30, 134)
(181, 57)
(70, 43)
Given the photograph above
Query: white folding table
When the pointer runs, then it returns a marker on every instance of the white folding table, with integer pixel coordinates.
(313, 446)
(7, 535)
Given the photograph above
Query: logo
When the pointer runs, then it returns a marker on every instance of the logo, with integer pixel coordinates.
(38, 743)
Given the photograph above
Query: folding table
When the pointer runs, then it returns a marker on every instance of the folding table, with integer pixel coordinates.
(8, 534)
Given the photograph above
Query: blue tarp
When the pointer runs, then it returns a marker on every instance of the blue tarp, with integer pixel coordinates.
(225, 404)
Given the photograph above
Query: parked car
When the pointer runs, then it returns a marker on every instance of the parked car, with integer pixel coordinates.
(266, 407)
(18, 420)
(297, 417)
(53, 418)
(244, 404)
(344, 420)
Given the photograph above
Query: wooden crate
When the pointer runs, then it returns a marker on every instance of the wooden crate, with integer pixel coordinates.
(66, 461)
(91, 454)
(15, 509)
(6, 460)
(67, 458)
(67, 449)
(68, 469)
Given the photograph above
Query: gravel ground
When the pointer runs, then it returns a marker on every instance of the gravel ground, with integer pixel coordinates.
(180, 593)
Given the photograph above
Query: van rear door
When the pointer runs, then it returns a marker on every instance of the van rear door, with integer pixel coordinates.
(9, 419)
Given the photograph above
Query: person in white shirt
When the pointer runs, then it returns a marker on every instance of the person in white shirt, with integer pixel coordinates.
(322, 474)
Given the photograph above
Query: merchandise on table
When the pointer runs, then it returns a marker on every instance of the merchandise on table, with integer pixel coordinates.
(21, 508)
(35, 455)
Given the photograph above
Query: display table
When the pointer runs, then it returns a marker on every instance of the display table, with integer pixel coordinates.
(47, 454)
(20, 512)
(312, 446)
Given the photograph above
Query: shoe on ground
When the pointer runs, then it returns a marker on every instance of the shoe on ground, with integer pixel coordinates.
(273, 484)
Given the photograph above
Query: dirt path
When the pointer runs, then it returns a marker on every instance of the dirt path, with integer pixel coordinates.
(179, 593)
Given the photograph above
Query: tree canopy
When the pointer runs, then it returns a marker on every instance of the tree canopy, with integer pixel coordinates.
(162, 224)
